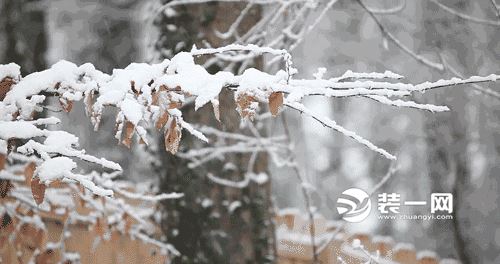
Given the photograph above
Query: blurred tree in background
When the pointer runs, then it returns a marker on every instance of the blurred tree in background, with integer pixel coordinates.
(212, 223)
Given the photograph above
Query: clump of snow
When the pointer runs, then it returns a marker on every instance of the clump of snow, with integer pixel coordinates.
(194, 79)
(59, 197)
(54, 169)
(426, 254)
(233, 206)
(289, 211)
(11, 70)
(206, 203)
(320, 73)
(137, 75)
(260, 84)
(131, 109)
(61, 139)
(356, 243)
(383, 239)
(404, 246)
(36, 82)
(19, 129)
(3, 146)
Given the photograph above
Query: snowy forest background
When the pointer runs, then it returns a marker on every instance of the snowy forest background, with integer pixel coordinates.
(456, 151)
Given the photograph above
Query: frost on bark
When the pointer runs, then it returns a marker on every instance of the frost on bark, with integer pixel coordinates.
(212, 223)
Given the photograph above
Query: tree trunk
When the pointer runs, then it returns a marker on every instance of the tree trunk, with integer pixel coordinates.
(23, 34)
(201, 225)
(448, 135)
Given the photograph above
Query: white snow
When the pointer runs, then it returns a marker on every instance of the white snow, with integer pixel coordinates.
(403, 246)
(63, 71)
(233, 206)
(60, 139)
(427, 254)
(19, 129)
(194, 79)
(11, 70)
(131, 109)
(55, 169)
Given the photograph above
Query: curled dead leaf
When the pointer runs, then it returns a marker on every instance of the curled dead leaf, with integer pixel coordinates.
(38, 190)
(5, 86)
(174, 104)
(29, 171)
(129, 132)
(134, 89)
(3, 161)
(66, 105)
(162, 120)
(244, 103)
(172, 137)
(275, 102)
(11, 145)
(89, 103)
(155, 97)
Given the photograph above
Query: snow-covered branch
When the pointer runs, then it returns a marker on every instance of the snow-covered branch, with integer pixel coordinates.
(146, 94)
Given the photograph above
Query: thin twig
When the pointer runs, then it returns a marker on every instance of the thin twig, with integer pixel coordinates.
(467, 17)
(475, 86)
(387, 34)
(305, 192)
(497, 9)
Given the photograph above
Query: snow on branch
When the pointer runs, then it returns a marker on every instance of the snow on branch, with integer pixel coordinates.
(33, 157)
(333, 125)
(154, 93)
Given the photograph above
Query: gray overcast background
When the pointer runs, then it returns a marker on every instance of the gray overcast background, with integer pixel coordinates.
(456, 152)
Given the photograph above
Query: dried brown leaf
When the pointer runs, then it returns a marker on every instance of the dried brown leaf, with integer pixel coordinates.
(173, 105)
(89, 103)
(3, 161)
(29, 171)
(5, 86)
(155, 97)
(134, 89)
(244, 102)
(38, 190)
(172, 137)
(129, 132)
(11, 145)
(162, 120)
(66, 105)
(275, 102)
